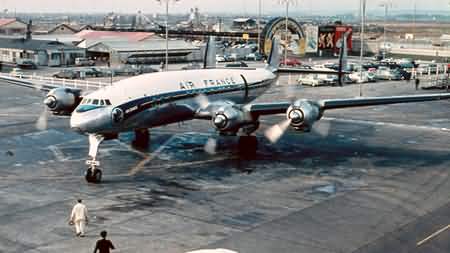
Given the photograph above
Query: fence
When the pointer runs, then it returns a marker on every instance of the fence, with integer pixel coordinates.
(45, 81)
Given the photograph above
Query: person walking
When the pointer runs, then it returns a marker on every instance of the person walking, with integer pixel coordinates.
(103, 245)
(79, 218)
(417, 82)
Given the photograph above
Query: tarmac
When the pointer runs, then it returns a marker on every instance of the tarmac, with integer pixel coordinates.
(364, 180)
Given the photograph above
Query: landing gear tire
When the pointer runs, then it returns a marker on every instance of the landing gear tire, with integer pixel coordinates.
(248, 145)
(93, 175)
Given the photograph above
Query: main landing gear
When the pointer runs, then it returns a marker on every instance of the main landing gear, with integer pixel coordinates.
(247, 145)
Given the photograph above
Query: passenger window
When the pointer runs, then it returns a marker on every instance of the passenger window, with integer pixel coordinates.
(102, 102)
(88, 101)
(107, 102)
(95, 102)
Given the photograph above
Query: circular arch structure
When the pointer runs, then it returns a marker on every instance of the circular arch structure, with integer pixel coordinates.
(277, 27)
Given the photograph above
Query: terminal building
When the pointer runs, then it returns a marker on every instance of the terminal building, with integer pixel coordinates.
(41, 52)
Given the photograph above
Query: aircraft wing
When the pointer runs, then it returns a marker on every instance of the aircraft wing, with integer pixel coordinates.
(258, 109)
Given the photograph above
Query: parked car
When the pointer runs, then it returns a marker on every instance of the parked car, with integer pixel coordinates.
(236, 65)
(367, 76)
(310, 79)
(404, 75)
(67, 74)
(91, 72)
(290, 62)
(386, 73)
(254, 57)
(26, 64)
(126, 70)
(220, 58)
(192, 65)
(84, 62)
(16, 72)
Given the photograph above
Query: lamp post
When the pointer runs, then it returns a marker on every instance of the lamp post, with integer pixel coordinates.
(363, 19)
(386, 5)
(166, 66)
(286, 2)
(258, 26)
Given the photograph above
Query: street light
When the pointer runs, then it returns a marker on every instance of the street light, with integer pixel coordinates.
(363, 19)
(167, 31)
(386, 5)
(258, 26)
(287, 2)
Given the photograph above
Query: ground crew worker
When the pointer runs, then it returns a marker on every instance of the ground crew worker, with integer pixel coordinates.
(79, 218)
(103, 245)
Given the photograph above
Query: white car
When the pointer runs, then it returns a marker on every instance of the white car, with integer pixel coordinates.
(220, 58)
(310, 79)
(358, 78)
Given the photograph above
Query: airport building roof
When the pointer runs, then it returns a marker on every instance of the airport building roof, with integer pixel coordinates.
(31, 44)
(144, 46)
(108, 35)
(7, 21)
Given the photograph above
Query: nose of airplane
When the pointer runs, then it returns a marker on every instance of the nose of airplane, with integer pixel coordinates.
(76, 123)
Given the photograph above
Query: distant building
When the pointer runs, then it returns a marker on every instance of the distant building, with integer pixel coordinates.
(62, 29)
(12, 26)
(244, 24)
(41, 52)
(144, 52)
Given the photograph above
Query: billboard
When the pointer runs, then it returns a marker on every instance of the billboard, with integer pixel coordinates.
(326, 37)
(312, 38)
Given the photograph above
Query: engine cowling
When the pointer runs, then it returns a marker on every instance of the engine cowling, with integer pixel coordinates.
(229, 119)
(62, 101)
(303, 114)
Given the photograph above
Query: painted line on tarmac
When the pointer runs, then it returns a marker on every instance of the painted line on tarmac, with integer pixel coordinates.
(389, 124)
(433, 235)
(148, 158)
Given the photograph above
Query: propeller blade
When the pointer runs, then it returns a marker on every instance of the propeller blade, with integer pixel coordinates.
(322, 128)
(274, 133)
(211, 146)
(41, 123)
(202, 101)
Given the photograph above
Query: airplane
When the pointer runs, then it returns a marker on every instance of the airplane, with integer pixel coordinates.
(222, 95)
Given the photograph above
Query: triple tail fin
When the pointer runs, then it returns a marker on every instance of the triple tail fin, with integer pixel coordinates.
(273, 61)
(210, 53)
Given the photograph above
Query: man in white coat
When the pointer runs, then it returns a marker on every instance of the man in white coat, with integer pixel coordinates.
(79, 218)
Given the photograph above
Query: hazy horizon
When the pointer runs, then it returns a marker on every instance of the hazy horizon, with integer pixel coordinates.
(230, 6)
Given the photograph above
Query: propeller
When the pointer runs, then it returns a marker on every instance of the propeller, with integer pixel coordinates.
(41, 123)
(274, 133)
(211, 146)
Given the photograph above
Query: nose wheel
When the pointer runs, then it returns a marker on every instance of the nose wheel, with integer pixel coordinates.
(93, 174)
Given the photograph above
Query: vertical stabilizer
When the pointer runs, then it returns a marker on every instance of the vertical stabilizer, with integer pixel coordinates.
(343, 55)
(210, 53)
(273, 61)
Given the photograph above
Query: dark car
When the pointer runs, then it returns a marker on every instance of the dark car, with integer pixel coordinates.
(27, 64)
(126, 71)
(404, 75)
(67, 74)
(92, 72)
(236, 65)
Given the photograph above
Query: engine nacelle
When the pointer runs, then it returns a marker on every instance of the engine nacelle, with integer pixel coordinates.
(62, 101)
(229, 119)
(303, 114)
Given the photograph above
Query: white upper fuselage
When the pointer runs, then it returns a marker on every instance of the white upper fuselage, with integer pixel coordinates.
(176, 86)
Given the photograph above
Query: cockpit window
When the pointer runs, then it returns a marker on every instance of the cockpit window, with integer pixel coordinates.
(91, 104)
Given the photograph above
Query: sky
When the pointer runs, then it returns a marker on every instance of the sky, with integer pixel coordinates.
(212, 6)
